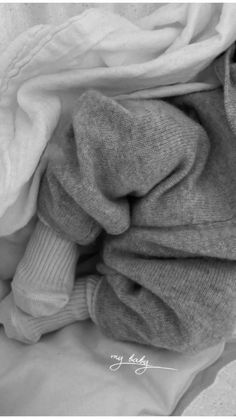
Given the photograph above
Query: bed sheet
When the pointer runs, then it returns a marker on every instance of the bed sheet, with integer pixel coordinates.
(72, 372)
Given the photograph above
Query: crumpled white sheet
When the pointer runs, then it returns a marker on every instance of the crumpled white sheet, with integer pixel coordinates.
(48, 66)
(68, 373)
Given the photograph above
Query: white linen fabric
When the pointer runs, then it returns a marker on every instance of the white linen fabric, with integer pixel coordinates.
(68, 373)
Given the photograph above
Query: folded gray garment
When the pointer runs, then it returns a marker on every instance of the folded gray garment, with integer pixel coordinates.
(158, 179)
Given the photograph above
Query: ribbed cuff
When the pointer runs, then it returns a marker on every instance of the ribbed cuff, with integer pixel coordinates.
(92, 285)
(48, 261)
(77, 306)
(25, 328)
(75, 310)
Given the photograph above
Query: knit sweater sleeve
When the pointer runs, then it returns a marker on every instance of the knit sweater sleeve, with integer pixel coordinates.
(79, 195)
(169, 281)
(148, 175)
(185, 305)
(111, 151)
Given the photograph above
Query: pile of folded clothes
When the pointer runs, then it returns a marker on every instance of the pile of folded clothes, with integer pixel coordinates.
(118, 177)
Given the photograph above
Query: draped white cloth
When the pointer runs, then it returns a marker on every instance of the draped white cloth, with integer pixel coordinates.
(68, 373)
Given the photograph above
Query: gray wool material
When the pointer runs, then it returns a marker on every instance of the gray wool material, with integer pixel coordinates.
(158, 178)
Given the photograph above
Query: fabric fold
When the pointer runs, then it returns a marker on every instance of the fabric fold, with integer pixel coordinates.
(47, 67)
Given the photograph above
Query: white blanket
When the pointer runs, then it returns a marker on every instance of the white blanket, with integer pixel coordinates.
(68, 373)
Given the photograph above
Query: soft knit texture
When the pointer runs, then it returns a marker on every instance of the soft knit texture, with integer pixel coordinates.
(167, 179)
(168, 51)
(28, 329)
(160, 182)
(44, 278)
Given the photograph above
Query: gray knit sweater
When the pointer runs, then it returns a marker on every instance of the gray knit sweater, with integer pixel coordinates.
(159, 180)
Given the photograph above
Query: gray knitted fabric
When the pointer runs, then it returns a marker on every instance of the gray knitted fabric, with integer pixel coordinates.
(159, 179)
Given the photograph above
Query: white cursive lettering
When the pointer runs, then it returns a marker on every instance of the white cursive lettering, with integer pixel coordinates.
(142, 363)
